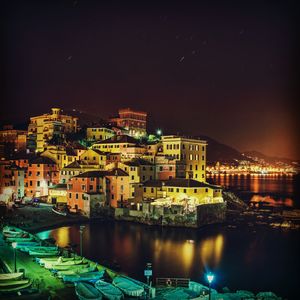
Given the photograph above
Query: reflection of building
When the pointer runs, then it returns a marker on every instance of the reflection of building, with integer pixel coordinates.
(51, 126)
(134, 121)
(191, 152)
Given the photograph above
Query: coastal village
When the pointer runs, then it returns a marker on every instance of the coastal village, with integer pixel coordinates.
(113, 168)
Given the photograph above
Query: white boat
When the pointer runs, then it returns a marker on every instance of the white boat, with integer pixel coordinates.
(60, 262)
(91, 276)
(43, 253)
(81, 269)
(21, 245)
(85, 291)
(69, 268)
(128, 287)
(61, 213)
(108, 290)
(20, 239)
(10, 276)
(54, 259)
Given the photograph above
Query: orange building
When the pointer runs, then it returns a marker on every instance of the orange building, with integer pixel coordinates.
(86, 192)
(118, 188)
(11, 181)
(41, 173)
(134, 121)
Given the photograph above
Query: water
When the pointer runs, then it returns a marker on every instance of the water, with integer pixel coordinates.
(257, 259)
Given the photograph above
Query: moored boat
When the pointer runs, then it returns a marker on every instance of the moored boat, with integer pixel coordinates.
(54, 259)
(14, 285)
(43, 253)
(54, 264)
(30, 238)
(62, 213)
(81, 269)
(128, 287)
(21, 245)
(108, 290)
(86, 291)
(91, 276)
(10, 276)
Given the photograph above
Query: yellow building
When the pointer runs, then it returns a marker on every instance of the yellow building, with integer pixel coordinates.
(94, 157)
(99, 133)
(191, 152)
(50, 125)
(58, 194)
(116, 144)
(179, 191)
(62, 156)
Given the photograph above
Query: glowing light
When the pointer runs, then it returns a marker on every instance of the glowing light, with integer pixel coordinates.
(210, 277)
(158, 132)
(14, 245)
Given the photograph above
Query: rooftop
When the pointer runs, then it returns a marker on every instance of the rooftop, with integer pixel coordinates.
(180, 182)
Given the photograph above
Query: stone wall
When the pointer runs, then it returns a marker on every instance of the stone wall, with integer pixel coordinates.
(211, 213)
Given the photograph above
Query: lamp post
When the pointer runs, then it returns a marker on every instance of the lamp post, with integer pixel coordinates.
(14, 245)
(210, 278)
(81, 232)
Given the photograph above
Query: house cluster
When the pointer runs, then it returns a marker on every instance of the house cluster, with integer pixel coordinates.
(120, 168)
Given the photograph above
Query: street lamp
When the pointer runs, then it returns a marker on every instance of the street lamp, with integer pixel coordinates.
(81, 231)
(158, 132)
(210, 278)
(14, 245)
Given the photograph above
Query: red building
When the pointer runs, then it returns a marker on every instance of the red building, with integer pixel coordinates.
(134, 121)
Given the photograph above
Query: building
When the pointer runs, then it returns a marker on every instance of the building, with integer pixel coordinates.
(94, 157)
(188, 151)
(41, 174)
(134, 121)
(13, 139)
(182, 190)
(11, 181)
(99, 133)
(86, 192)
(50, 126)
(116, 144)
(58, 194)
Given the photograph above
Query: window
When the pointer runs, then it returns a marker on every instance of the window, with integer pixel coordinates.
(91, 187)
(196, 167)
(145, 189)
(83, 187)
(195, 190)
(94, 157)
(202, 167)
(92, 179)
(82, 196)
(160, 169)
(38, 173)
(202, 157)
(76, 196)
(112, 196)
(184, 190)
(191, 156)
(152, 190)
(191, 167)
(177, 190)
(70, 195)
(206, 190)
(132, 177)
(30, 183)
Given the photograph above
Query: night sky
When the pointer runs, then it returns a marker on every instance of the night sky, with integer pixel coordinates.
(219, 68)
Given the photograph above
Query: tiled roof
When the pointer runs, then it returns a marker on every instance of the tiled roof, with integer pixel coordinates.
(119, 139)
(138, 162)
(90, 174)
(42, 161)
(180, 182)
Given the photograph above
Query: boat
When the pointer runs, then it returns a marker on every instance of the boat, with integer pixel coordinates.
(57, 268)
(108, 290)
(39, 248)
(60, 262)
(21, 245)
(90, 276)
(61, 213)
(43, 253)
(81, 269)
(128, 287)
(10, 276)
(20, 239)
(54, 259)
(85, 291)
(14, 285)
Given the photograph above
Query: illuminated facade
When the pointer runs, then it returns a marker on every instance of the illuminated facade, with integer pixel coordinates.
(134, 121)
(58, 194)
(41, 174)
(11, 181)
(53, 125)
(18, 138)
(191, 152)
(99, 133)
